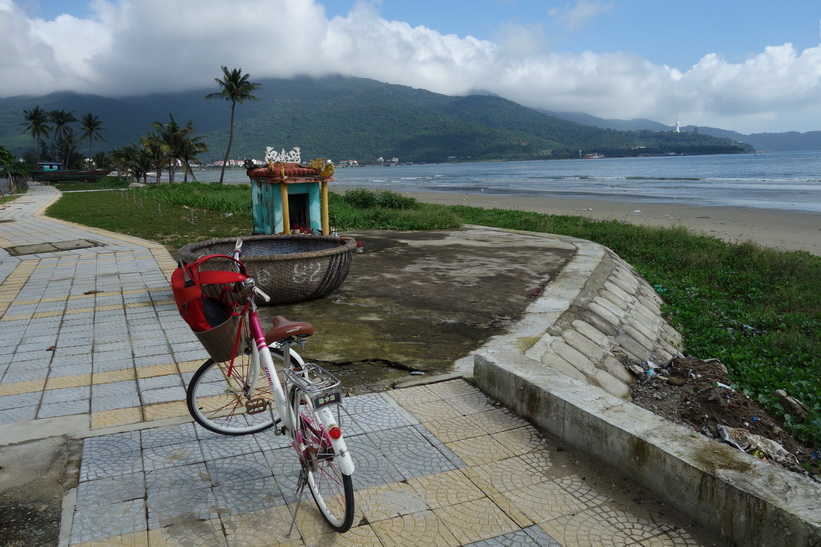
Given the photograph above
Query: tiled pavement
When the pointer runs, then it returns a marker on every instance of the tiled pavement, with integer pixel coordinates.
(94, 331)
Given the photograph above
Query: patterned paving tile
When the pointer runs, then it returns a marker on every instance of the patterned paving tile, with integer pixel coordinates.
(531, 536)
(372, 467)
(506, 475)
(604, 525)
(475, 520)
(423, 528)
(480, 450)
(111, 490)
(259, 528)
(443, 489)
(163, 395)
(410, 453)
(179, 493)
(389, 501)
(111, 456)
(223, 446)
(98, 522)
(158, 457)
(18, 414)
(186, 531)
(63, 408)
(552, 499)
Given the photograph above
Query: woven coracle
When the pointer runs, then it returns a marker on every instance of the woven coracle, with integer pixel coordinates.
(289, 268)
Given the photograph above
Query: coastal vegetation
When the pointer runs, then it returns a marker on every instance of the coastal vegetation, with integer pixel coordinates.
(754, 308)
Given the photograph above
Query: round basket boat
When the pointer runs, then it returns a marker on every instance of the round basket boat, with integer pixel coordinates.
(289, 268)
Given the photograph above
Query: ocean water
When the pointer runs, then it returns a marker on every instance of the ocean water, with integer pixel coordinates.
(777, 180)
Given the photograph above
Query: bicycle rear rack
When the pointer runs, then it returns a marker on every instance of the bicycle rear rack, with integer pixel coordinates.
(320, 385)
(320, 379)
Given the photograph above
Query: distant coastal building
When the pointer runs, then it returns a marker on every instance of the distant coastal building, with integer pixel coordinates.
(678, 126)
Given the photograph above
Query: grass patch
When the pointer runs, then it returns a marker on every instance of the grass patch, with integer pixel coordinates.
(105, 183)
(756, 309)
(139, 214)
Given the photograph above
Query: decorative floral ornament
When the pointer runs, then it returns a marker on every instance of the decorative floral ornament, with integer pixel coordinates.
(272, 156)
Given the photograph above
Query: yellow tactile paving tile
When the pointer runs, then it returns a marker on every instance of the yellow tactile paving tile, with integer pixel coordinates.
(158, 411)
(98, 378)
(44, 314)
(17, 388)
(119, 416)
(423, 528)
(475, 520)
(75, 380)
(190, 366)
(157, 370)
(443, 489)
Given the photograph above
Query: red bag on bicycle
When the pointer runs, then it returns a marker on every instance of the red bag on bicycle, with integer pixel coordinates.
(204, 310)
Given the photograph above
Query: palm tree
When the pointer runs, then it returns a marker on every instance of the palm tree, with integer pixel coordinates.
(64, 140)
(234, 88)
(102, 160)
(169, 136)
(190, 147)
(37, 120)
(155, 150)
(91, 127)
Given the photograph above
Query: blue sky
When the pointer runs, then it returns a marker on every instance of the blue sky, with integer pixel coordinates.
(749, 66)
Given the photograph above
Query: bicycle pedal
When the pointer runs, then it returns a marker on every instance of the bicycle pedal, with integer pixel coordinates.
(257, 405)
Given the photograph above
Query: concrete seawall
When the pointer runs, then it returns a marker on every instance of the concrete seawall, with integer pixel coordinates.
(556, 368)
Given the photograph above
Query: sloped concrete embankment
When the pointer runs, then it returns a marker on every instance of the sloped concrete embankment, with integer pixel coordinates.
(556, 368)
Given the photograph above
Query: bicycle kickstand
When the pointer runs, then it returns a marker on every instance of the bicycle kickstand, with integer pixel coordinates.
(300, 489)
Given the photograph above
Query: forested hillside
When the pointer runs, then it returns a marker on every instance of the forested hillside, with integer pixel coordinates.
(353, 118)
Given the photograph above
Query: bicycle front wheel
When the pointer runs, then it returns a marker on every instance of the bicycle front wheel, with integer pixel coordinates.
(226, 399)
(331, 489)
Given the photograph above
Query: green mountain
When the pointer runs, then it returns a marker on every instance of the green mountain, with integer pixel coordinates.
(353, 118)
(788, 141)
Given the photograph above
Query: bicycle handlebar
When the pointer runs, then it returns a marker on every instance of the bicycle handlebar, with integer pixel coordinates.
(261, 294)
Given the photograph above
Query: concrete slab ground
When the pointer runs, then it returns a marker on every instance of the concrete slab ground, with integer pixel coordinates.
(93, 351)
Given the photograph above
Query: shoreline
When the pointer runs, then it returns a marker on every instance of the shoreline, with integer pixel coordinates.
(780, 229)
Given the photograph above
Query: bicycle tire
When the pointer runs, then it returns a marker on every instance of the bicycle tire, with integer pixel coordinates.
(331, 489)
(218, 402)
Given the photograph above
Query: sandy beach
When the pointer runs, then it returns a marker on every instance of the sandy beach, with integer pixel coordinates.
(788, 230)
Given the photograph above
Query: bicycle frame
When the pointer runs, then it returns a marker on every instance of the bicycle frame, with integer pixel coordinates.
(261, 354)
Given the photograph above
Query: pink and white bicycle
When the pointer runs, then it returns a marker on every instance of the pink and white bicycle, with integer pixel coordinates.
(240, 392)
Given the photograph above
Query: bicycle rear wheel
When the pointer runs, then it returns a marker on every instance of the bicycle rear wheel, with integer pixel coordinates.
(331, 489)
(220, 398)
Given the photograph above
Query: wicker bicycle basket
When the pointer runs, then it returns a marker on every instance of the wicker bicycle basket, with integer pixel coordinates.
(289, 268)
(219, 341)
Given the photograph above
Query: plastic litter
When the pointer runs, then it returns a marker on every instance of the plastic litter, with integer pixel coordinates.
(752, 443)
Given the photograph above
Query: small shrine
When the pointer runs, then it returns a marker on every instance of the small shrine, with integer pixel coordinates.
(289, 197)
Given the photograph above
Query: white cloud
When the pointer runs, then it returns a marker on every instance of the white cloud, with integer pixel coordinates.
(132, 47)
